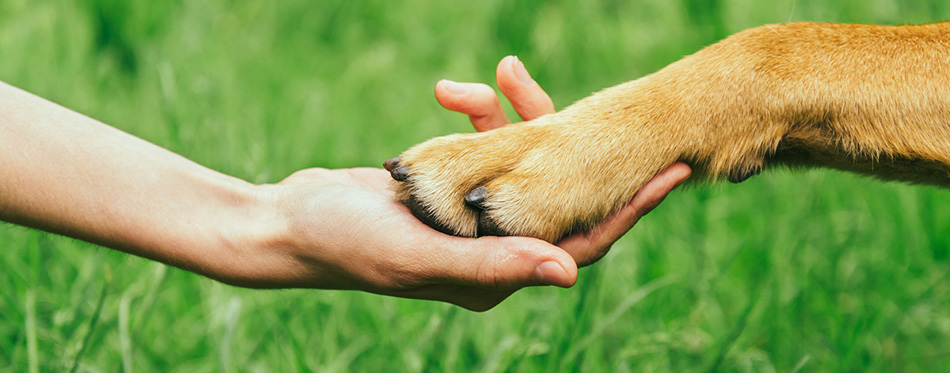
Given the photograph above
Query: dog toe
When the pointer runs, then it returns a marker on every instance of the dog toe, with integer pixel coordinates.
(488, 227)
(476, 198)
(400, 173)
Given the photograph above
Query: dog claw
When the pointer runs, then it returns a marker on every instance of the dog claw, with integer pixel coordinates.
(392, 163)
(400, 173)
(476, 198)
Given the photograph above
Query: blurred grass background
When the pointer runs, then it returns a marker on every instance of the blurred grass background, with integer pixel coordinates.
(813, 271)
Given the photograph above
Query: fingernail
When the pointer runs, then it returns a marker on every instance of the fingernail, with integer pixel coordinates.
(522, 73)
(551, 273)
(454, 87)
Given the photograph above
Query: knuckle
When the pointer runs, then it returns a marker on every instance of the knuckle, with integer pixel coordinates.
(493, 270)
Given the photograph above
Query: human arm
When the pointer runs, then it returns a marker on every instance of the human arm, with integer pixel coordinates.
(66, 173)
(338, 229)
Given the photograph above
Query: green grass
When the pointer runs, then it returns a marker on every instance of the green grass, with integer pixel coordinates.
(813, 271)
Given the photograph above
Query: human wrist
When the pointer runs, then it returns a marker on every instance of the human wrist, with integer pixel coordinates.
(252, 240)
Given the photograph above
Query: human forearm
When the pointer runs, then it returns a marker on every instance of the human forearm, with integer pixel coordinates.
(66, 173)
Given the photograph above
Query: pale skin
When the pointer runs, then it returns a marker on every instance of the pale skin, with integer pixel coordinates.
(69, 174)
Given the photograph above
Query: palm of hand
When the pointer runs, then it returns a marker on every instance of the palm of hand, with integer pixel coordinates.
(393, 253)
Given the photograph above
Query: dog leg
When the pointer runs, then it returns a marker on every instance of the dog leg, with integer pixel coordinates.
(869, 99)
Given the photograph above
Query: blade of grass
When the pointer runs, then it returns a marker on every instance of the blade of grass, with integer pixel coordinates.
(730, 340)
(9, 297)
(93, 321)
(436, 349)
(801, 364)
(125, 342)
(31, 332)
(631, 300)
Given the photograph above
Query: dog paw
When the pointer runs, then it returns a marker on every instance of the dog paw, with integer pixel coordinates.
(546, 178)
(567, 171)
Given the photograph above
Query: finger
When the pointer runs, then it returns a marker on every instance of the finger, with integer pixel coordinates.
(525, 95)
(479, 101)
(657, 188)
(590, 246)
(502, 263)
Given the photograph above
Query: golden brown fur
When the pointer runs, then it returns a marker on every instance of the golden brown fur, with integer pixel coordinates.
(868, 99)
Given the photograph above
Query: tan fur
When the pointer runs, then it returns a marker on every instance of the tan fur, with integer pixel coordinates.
(868, 99)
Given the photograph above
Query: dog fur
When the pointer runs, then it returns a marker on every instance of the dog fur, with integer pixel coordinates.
(868, 99)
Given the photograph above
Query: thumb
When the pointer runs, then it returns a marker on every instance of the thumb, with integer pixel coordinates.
(506, 263)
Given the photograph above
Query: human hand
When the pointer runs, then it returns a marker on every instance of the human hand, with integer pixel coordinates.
(530, 101)
(344, 230)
